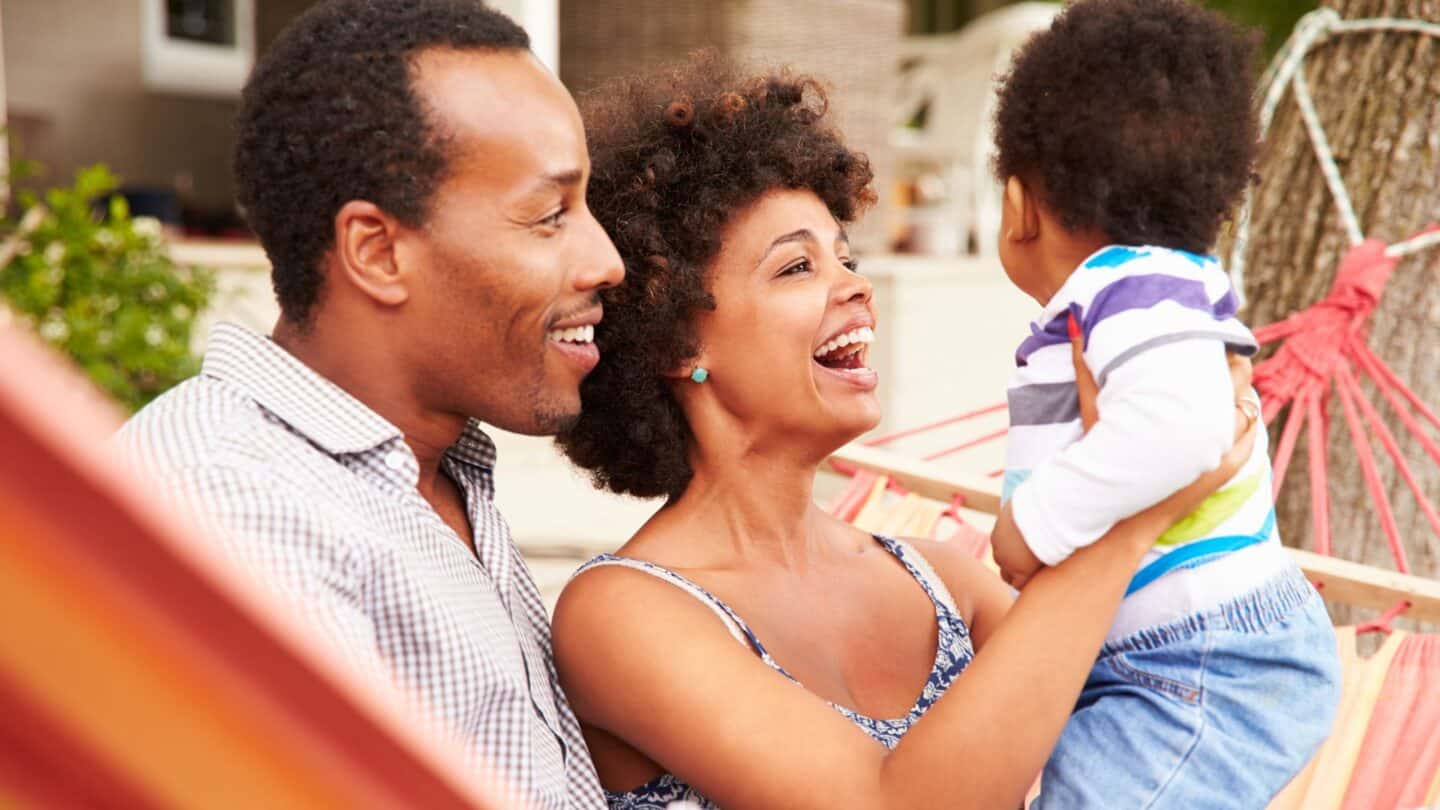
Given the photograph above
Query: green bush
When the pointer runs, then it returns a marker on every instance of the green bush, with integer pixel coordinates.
(99, 285)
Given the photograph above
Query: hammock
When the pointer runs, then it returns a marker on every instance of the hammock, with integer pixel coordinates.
(138, 671)
(1385, 750)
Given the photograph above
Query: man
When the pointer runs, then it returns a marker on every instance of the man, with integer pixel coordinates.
(418, 180)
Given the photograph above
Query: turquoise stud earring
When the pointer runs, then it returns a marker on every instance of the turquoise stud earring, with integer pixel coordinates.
(699, 375)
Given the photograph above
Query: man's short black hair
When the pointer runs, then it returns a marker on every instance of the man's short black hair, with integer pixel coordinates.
(330, 115)
(1133, 117)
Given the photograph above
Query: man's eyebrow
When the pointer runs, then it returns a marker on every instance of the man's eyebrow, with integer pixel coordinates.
(570, 177)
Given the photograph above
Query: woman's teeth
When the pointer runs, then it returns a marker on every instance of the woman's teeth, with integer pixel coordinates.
(862, 335)
(575, 334)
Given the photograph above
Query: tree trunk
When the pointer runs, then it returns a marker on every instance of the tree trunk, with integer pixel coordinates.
(1377, 97)
(4, 137)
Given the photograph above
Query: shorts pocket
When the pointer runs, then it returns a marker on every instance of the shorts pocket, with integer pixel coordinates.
(1173, 670)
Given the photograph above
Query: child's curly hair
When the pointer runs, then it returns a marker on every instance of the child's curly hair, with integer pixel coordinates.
(675, 156)
(1135, 118)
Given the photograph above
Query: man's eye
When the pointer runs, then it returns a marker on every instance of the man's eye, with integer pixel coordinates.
(802, 266)
(555, 220)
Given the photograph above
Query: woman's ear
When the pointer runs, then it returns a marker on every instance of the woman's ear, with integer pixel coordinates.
(1021, 211)
(365, 249)
(693, 370)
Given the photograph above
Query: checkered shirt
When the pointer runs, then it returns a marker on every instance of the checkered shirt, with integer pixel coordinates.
(318, 493)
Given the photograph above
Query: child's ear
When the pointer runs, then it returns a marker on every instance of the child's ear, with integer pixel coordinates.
(1021, 207)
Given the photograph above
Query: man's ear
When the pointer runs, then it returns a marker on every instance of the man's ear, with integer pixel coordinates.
(365, 237)
(1020, 203)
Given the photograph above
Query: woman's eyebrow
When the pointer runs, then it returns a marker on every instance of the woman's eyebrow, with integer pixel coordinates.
(802, 235)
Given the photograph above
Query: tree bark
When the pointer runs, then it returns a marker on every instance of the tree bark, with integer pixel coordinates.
(1377, 97)
(4, 136)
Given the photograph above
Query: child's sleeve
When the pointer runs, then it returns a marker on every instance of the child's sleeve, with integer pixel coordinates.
(1166, 416)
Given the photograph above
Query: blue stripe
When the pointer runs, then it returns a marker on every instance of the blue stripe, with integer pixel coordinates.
(1198, 552)
(1013, 480)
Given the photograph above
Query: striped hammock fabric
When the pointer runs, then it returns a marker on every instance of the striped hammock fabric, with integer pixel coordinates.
(137, 670)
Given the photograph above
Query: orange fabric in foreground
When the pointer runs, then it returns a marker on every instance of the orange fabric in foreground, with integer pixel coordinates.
(151, 661)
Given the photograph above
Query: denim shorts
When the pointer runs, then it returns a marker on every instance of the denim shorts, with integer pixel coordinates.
(1219, 709)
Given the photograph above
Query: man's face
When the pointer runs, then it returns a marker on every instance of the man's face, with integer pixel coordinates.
(510, 261)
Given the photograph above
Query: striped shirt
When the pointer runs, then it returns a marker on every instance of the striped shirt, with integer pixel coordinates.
(317, 493)
(1157, 324)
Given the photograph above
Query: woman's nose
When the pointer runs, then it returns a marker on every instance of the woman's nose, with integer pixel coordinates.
(852, 287)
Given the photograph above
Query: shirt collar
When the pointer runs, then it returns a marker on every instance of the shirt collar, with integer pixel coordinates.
(313, 406)
(474, 447)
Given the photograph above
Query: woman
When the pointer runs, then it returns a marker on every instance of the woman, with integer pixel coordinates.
(733, 364)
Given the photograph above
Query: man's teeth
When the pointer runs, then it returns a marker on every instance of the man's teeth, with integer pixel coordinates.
(575, 334)
(862, 335)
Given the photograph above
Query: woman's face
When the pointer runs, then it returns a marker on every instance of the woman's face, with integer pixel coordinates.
(786, 344)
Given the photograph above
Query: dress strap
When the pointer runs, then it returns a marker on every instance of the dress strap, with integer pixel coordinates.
(920, 568)
(732, 621)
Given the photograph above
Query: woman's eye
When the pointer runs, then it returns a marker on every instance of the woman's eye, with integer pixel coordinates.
(802, 266)
(853, 265)
(555, 220)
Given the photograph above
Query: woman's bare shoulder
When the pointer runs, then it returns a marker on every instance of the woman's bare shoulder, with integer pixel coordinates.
(981, 597)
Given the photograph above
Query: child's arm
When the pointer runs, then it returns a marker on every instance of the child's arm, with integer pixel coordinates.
(1166, 417)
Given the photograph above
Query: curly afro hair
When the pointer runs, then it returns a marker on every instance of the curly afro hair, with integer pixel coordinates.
(1133, 117)
(329, 116)
(675, 156)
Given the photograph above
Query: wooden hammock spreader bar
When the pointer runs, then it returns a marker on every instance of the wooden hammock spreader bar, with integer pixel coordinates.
(923, 478)
(1340, 580)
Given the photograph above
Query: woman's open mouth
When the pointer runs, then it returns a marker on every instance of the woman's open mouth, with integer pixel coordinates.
(845, 354)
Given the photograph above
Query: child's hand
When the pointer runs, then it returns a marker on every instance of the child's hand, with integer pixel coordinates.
(1017, 562)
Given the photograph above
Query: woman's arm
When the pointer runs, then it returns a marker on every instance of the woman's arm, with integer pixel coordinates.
(649, 664)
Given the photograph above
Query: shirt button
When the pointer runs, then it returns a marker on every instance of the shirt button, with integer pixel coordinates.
(395, 460)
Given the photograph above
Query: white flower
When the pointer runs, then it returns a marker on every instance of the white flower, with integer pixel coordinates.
(107, 239)
(55, 253)
(54, 329)
(147, 227)
(154, 334)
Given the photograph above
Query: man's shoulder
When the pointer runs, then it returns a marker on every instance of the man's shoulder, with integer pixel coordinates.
(202, 422)
(208, 435)
(211, 447)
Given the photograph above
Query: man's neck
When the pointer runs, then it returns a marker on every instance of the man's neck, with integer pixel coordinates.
(376, 378)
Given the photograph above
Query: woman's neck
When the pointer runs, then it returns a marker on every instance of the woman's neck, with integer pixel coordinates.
(752, 508)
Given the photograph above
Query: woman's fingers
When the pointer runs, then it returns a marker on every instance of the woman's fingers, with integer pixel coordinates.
(1085, 386)
(1247, 406)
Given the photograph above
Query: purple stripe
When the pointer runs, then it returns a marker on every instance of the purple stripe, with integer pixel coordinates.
(1132, 292)
(1144, 292)
(1054, 333)
(1228, 305)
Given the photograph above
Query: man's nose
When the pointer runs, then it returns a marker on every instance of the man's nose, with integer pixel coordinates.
(602, 266)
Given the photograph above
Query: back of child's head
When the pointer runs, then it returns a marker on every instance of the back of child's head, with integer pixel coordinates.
(1132, 118)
